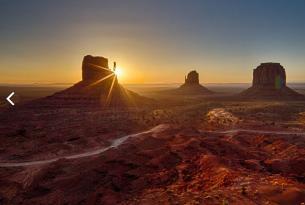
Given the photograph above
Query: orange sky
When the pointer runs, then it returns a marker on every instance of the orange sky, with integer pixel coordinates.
(153, 42)
(136, 68)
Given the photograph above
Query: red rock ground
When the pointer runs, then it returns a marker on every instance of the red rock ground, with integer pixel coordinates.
(184, 164)
(177, 166)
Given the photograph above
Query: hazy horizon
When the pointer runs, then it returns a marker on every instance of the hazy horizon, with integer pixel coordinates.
(137, 84)
(151, 41)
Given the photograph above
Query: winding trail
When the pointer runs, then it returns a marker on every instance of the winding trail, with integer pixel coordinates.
(116, 143)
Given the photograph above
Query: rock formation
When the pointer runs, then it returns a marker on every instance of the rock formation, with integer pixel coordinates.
(99, 88)
(94, 68)
(271, 75)
(192, 78)
(269, 81)
(191, 86)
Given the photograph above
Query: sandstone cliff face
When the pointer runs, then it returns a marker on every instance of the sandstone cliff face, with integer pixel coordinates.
(271, 75)
(269, 81)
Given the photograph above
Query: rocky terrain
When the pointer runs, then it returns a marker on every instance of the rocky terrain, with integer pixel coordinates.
(80, 146)
(269, 82)
(175, 166)
(199, 158)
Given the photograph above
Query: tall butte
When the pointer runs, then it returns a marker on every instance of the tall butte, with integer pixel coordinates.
(269, 82)
(99, 87)
(192, 86)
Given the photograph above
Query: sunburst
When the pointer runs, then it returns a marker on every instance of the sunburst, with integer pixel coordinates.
(114, 75)
(110, 91)
(98, 66)
(102, 79)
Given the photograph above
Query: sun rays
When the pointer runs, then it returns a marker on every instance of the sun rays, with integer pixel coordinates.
(110, 90)
(102, 79)
(111, 76)
(118, 72)
(111, 86)
(100, 67)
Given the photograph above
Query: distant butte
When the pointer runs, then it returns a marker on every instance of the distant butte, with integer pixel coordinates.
(192, 78)
(99, 87)
(269, 81)
(191, 86)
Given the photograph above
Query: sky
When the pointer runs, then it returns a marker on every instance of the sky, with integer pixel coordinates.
(152, 41)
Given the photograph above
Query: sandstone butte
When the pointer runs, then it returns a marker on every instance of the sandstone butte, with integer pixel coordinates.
(269, 82)
(99, 87)
(191, 86)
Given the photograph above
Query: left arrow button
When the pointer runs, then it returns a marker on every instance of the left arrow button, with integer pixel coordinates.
(9, 98)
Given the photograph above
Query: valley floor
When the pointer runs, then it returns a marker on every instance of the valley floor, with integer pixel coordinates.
(210, 152)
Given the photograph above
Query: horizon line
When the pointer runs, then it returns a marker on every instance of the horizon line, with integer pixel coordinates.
(157, 83)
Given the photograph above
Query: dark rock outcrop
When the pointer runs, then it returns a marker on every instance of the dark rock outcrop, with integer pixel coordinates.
(192, 78)
(269, 81)
(191, 86)
(94, 68)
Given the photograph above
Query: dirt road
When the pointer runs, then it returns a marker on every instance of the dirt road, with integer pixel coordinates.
(116, 143)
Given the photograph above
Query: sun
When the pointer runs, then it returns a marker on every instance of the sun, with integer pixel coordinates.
(118, 72)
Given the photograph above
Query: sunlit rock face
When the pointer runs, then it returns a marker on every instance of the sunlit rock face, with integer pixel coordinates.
(94, 68)
(269, 75)
(269, 81)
